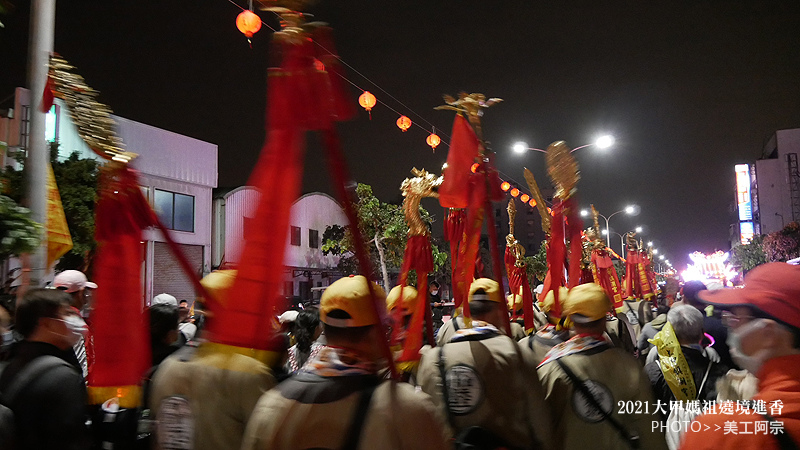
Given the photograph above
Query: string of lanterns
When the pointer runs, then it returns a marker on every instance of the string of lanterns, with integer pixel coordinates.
(249, 23)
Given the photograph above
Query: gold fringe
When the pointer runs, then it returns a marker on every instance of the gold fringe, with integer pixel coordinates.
(129, 396)
(269, 358)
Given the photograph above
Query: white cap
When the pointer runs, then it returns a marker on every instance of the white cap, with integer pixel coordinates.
(72, 281)
(288, 316)
(538, 289)
(164, 299)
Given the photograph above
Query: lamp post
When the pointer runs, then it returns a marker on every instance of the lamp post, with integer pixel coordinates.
(602, 142)
(631, 210)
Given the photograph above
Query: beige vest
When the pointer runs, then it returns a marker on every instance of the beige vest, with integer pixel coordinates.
(218, 391)
(448, 330)
(398, 418)
(622, 382)
(491, 386)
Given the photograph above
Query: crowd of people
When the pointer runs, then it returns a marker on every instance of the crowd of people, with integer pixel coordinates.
(715, 369)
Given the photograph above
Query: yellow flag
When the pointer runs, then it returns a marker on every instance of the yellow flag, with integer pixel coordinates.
(59, 240)
(673, 364)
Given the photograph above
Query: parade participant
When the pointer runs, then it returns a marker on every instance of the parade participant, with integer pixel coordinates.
(202, 396)
(437, 305)
(763, 319)
(650, 329)
(585, 380)
(480, 379)
(339, 400)
(712, 320)
(681, 335)
(75, 283)
(307, 329)
(538, 344)
(41, 385)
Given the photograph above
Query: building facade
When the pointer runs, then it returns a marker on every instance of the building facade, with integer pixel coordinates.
(307, 271)
(177, 175)
(772, 198)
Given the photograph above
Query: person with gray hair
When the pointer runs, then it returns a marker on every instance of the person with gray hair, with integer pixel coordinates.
(686, 322)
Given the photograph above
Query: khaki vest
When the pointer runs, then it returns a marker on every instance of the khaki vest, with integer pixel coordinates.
(491, 386)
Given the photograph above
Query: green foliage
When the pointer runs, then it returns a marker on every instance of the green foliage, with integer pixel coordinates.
(77, 184)
(18, 232)
(537, 265)
(384, 230)
(747, 256)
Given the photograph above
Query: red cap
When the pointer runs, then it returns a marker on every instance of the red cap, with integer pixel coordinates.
(773, 289)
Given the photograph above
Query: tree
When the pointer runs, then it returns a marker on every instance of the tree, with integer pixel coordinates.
(747, 256)
(537, 265)
(77, 184)
(385, 232)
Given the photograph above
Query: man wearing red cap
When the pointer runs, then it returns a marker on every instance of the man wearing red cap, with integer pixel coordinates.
(763, 319)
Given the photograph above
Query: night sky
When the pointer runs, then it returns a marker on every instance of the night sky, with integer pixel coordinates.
(688, 88)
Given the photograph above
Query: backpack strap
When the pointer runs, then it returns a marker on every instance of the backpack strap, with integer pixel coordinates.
(354, 432)
(445, 388)
(455, 323)
(631, 439)
(30, 372)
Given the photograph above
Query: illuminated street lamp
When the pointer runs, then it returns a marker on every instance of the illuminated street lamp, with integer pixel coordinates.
(603, 142)
(631, 210)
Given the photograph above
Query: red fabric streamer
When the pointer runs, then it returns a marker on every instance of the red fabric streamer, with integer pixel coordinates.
(518, 280)
(464, 147)
(631, 263)
(118, 230)
(418, 257)
(606, 276)
(574, 226)
(556, 254)
(48, 98)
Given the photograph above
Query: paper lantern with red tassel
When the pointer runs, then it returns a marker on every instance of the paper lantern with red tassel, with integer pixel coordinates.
(404, 123)
(248, 23)
(367, 101)
(433, 140)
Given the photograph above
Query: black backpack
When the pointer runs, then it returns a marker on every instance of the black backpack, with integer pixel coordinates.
(30, 372)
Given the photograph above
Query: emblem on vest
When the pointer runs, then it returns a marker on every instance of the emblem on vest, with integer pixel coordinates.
(465, 389)
(175, 424)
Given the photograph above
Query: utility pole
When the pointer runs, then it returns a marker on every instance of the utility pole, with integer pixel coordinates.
(40, 46)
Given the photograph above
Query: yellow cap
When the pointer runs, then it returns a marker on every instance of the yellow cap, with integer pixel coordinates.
(490, 288)
(409, 299)
(586, 303)
(550, 299)
(514, 301)
(218, 282)
(346, 303)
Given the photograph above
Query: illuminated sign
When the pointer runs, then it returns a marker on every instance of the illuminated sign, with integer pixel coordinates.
(51, 125)
(708, 267)
(746, 231)
(743, 192)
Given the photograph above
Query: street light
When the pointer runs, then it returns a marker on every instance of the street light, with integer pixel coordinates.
(603, 142)
(650, 244)
(655, 252)
(660, 257)
(631, 210)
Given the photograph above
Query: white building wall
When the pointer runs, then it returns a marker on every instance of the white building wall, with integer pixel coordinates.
(167, 161)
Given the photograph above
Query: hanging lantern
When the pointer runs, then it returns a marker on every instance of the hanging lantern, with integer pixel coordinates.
(248, 23)
(474, 167)
(532, 203)
(514, 192)
(433, 140)
(319, 65)
(505, 186)
(404, 123)
(524, 198)
(367, 101)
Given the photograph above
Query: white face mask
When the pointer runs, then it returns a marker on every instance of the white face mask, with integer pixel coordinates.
(751, 363)
(434, 292)
(77, 327)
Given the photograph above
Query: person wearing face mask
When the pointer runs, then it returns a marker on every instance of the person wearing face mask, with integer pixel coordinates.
(763, 319)
(42, 383)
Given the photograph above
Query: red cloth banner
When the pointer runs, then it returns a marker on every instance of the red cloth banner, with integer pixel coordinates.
(464, 145)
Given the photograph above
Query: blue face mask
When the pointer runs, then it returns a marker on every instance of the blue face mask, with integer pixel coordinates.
(8, 339)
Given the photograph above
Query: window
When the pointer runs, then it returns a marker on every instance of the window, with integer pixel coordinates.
(313, 239)
(296, 236)
(176, 211)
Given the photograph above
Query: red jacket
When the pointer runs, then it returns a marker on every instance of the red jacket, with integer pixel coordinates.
(742, 429)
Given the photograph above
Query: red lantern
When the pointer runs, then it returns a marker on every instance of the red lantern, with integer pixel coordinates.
(505, 186)
(524, 198)
(404, 123)
(433, 140)
(474, 167)
(319, 65)
(532, 203)
(248, 23)
(367, 100)
(514, 192)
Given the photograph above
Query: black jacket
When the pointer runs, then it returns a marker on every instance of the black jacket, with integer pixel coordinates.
(50, 411)
(697, 364)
